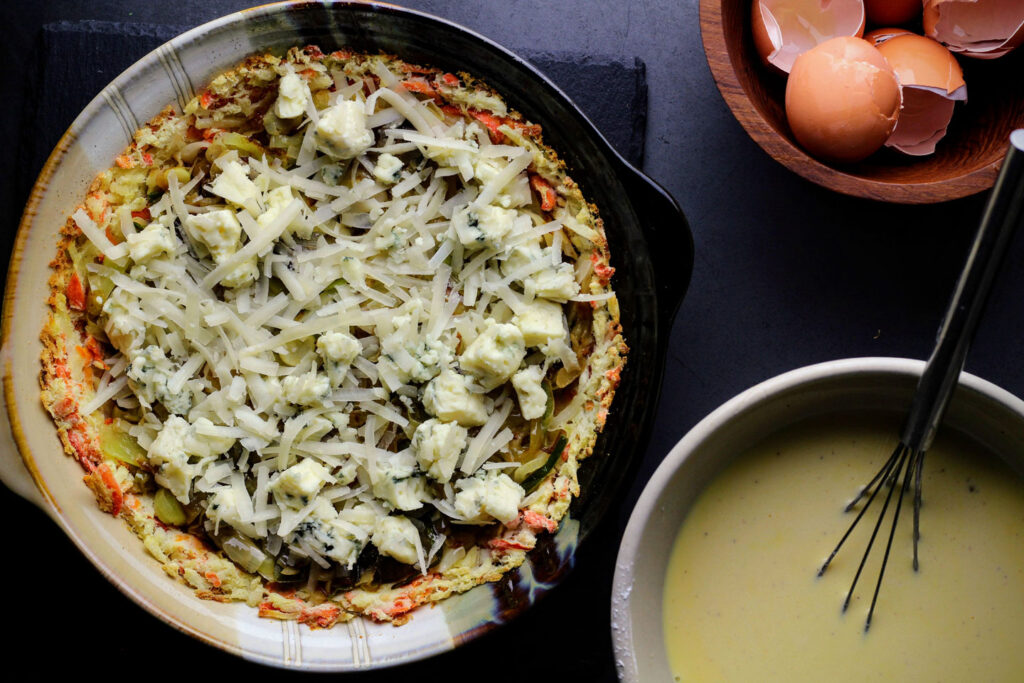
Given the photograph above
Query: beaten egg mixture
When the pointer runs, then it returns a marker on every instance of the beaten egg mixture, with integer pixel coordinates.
(743, 601)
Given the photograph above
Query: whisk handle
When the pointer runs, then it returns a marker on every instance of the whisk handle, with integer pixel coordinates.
(1004, 212)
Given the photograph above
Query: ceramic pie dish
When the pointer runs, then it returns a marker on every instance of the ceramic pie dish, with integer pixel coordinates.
(648, 236)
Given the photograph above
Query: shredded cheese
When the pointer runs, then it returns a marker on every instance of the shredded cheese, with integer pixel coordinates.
(318, 303)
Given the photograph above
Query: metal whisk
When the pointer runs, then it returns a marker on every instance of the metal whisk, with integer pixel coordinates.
(1003, 214)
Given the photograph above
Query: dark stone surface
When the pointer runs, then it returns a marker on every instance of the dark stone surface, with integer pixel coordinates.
(786, 274)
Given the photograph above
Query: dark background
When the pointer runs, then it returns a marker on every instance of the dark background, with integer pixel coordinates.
(786, 274)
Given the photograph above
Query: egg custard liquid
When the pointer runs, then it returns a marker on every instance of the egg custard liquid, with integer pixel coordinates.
(743, 601)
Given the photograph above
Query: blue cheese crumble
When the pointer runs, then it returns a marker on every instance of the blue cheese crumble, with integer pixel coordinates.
(341, 131)
(346, 327)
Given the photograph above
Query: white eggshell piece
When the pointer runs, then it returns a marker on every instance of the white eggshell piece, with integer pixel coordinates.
(880, 35)
(795, 26)
(984, 29)
(923, 120)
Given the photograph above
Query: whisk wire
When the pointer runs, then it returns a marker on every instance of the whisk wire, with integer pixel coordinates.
(881, 474)
(892, 472)
(919, 455)
(873, 490)
(902, 470)
(911, 466)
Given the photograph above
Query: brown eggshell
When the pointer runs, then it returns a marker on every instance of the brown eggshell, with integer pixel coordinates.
(886, 12)
(931, 82)
(929, 17)
(924, 119)
(842, 100)
(983, 29)
(923, 62)
(780, 30)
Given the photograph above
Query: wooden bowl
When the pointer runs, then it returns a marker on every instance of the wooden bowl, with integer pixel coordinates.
(965, 162)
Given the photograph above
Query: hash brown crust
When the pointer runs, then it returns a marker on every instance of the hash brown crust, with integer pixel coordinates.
(77, 351)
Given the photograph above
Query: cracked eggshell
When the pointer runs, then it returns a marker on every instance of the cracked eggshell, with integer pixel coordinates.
(785, 29)
(879, 35)
(984, 29)
(922, 62)
(931, 83)
(842, 100)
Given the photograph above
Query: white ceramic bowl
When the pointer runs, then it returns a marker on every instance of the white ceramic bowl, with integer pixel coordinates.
(979, 409)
